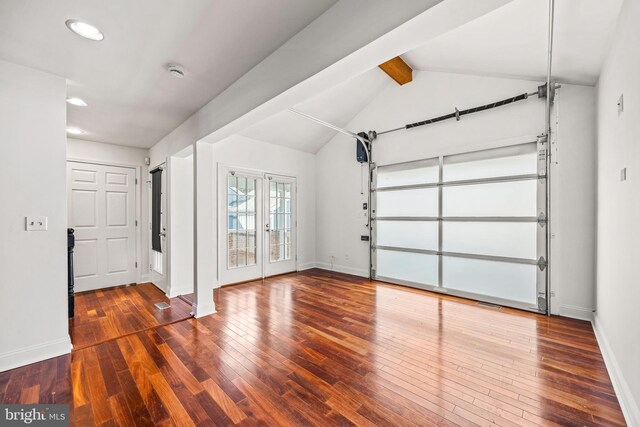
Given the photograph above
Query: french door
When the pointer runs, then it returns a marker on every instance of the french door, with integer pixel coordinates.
(280, 243)
(470, 224)
(256, 225)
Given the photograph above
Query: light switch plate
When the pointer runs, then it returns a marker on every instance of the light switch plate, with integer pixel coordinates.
(36, 223)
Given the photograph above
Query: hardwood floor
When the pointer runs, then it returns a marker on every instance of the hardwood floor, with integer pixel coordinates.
(317, 348)
(110, 313)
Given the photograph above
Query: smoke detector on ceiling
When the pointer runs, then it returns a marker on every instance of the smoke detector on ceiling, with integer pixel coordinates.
(176, 70)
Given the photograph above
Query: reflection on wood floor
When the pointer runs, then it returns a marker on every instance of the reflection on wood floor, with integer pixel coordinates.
(317, 348)
(110, 313)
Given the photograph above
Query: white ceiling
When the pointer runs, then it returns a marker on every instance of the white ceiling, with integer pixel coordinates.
(132, 99)
(512, 41)
(509, 42)
(338, 106)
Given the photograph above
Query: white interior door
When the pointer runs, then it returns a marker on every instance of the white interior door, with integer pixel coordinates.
(101, 210)
(240, 243)
(280, 225)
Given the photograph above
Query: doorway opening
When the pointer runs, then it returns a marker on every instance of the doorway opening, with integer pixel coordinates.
(112, 295)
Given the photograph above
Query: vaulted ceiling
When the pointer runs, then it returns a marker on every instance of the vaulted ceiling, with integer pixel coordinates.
(512, 42)
(509, 42)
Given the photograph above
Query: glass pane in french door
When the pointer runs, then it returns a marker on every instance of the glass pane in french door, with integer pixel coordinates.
(241, 221)
(280, 243)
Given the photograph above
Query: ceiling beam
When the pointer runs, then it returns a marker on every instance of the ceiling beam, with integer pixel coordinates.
(398, 70)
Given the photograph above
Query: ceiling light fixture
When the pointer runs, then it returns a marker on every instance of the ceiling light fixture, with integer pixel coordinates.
(85, 30)
(75, 131)
(78, 102)
(176, 70)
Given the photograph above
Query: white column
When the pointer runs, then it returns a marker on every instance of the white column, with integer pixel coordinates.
(204, 258)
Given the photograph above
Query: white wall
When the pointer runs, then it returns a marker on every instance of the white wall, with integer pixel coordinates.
(341, 219)
(246, 153)
(618, 286)
(78, 149)
(33, 273)
(180, 232)
(122, 156)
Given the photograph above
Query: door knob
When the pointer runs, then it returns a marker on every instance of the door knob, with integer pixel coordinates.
(266, 227)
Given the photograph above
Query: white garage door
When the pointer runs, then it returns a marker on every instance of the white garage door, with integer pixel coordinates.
(101, 210)
(470, 224)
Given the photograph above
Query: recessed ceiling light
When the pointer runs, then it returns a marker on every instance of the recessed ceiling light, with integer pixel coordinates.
(78, 102)
(74, 131)
(85, 30)
(176, 70)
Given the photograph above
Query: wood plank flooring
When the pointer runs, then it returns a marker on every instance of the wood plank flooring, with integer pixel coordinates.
(317, 348)
(106, 314)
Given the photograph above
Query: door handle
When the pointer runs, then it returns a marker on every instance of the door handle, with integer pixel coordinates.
(266, 227)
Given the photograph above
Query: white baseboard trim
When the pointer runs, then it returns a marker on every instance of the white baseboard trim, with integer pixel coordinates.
(203, 310)
(576, 312)
(343, 269)
(628, 404)
(306, 266)
(35, 353)
(174, 292)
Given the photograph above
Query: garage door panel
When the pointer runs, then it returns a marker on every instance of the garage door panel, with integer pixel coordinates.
(510, 281)
(506, 199)
(406, 266)
(420, 172)
(506, 239)
(497, 162)
(406, 203)
(408, 234)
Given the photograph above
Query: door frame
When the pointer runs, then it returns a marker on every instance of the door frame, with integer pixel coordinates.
(220, 261)
(166, 261)
(137, 203)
